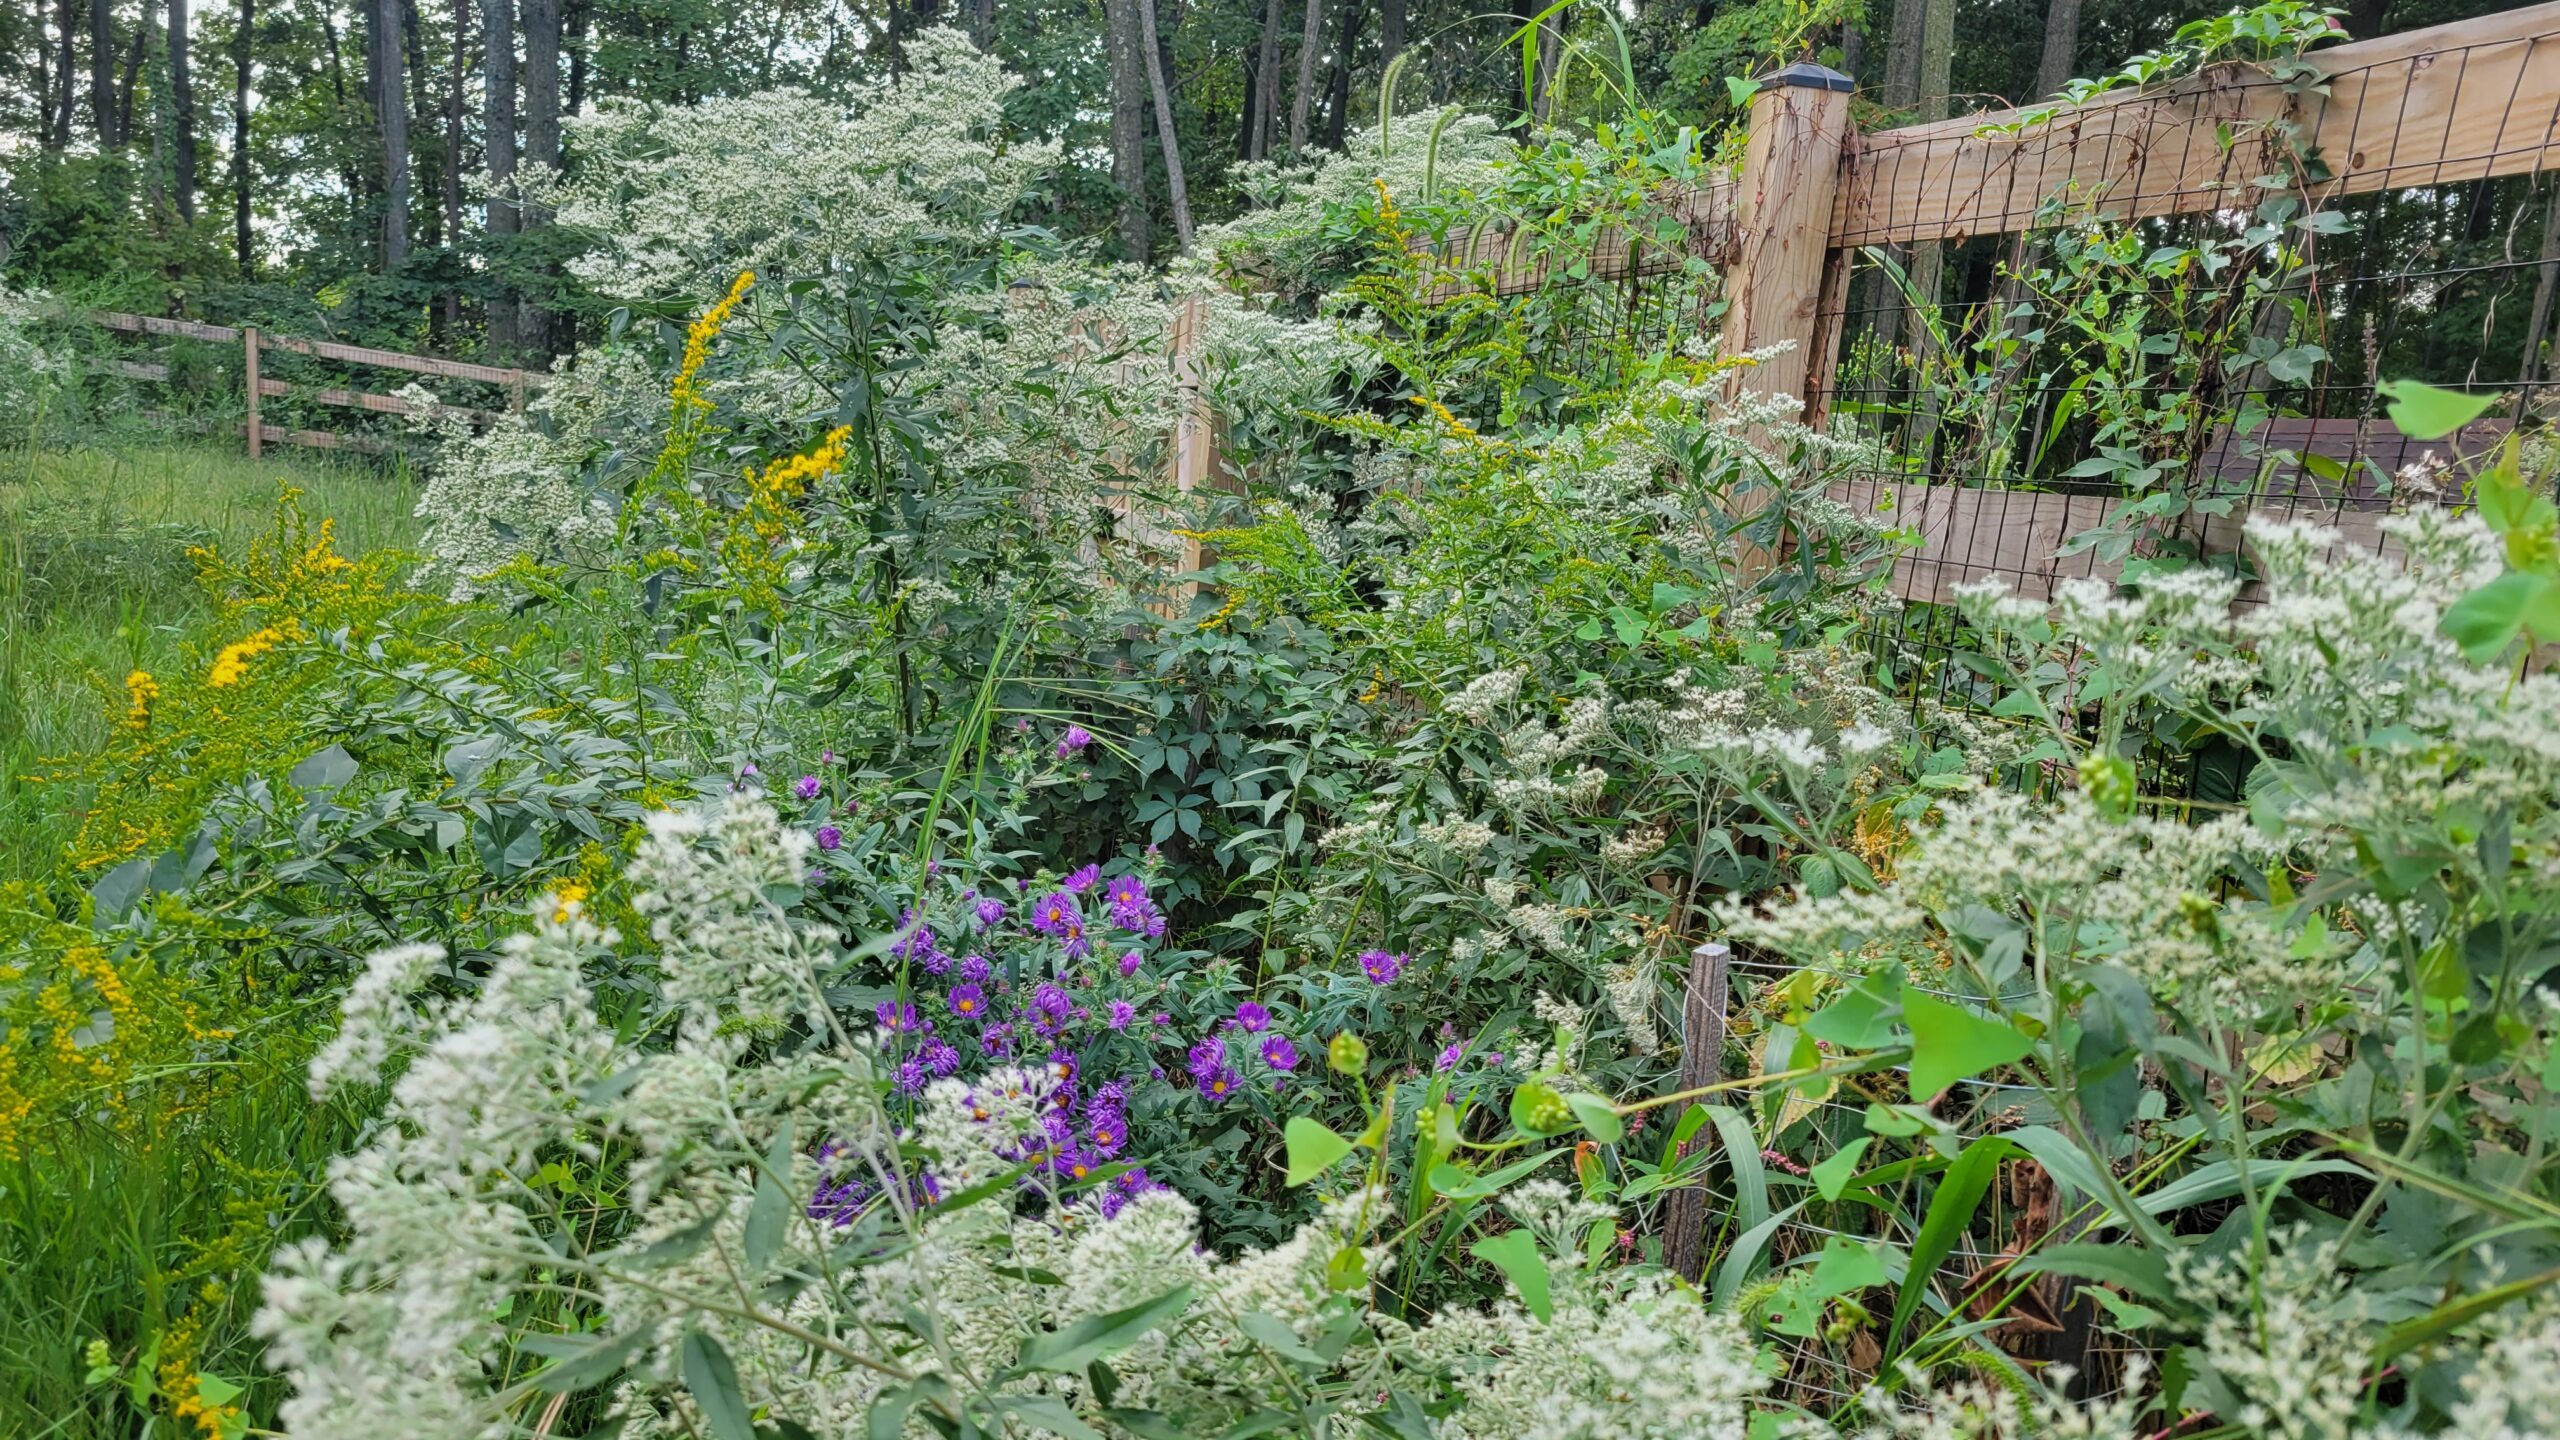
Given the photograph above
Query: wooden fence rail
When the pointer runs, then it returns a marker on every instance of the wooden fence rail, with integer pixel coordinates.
(516, 382)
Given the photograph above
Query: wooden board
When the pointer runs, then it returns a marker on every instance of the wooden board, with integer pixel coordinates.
(2441, 105)
(325, 350)
(364, 400)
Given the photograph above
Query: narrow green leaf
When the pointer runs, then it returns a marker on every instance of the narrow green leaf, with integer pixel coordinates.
(1951, 1209)
(771, 1209)
(714, 1383)
(1068, 1351)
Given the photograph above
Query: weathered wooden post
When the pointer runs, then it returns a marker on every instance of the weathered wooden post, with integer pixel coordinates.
(1799, 127)
(249, 372)
(1702, 1006)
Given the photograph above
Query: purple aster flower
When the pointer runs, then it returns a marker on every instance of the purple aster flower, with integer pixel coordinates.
(806, 787)
(997, 1041)
(975, 969)
(748, 771)
(1052, 999)
(1163, 1019)
(1449, 1057)
(912, 1075)
(1076, 738)
(1062, 1068)
(939, 1056)
(1138, 917)
(829, 837)
(1279, 1054)
(1130, 962)
(1081, 880)
(826, 757)
(1127, 890)
(968, 1000)
(1208, 1056)
(1129, 1186)
(1216, 1085)
(1122, 1012)
(1055, 913)
(1108, 1131)
(990, 913)
(935, 962)
(897, 1017)
(1075, 1164)
(1381, 967)
(1252, 1017)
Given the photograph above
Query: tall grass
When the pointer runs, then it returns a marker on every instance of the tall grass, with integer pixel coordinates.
(95, 583)
(109, 1234)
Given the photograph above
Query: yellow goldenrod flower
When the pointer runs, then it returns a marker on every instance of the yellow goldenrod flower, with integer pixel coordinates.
(232, 665)
(140, 690)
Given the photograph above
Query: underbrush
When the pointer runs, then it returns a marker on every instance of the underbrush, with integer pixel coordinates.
(796, 918)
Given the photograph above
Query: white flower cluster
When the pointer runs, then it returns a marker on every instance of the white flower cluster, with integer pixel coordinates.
(1647, 1361)
(728, 950)
(677, 200)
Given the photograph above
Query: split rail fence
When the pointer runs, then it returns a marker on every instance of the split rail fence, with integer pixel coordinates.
(257, 387)
(1798, 235)
(2432, 144)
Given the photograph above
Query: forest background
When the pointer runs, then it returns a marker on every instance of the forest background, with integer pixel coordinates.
(353, 170)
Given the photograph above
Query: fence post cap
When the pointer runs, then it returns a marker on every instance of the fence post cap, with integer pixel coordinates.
(1807, 74)
(1711, 950)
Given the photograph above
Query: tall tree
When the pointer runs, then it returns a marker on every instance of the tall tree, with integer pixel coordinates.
(182, 115)
(133, 58)
(2546, 286)
(576, 16)
(1337, 89)
(498, 141)
(2061, 47)
(243, 42)
(102, 73)
(1310, 45)
(541, 139)
(1167, 125)
(383, 74)
(63, 22)
(1123, 36)
(1266, 86)
(1391, 18)
(451, 312)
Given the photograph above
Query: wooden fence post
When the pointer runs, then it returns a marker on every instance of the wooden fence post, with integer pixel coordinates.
(249, 370)
(1790, 179)
(1702, 1006)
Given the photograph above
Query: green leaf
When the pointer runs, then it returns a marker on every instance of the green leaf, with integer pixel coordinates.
(1740, 90)
(1274, 1335)
(1832, 1175)
(1457, 1184)
(771, 1209)
(1845, 1266)
(581, 1360)
(1313, 1148)
(1861, 1017)
(2485, 622)
(2424, 412)
(1048, 1412)
(1515, 1254)
(214, 1390)
(1598, 1118)
(1068, 1351)
(714, 1383)
(1950, 1043)
(2424, 1329)
(1951, 1209)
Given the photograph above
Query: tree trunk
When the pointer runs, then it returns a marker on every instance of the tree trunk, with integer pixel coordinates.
(391, 114)
(133, 72)
(64, 21)
(1337, 90)
(498, 117)
(1266, 89)
(579, 13)
(242, 55)
(1391, 16)
(2546, 288)
(1129, 71)
(982, 24)
(1928, 259)
(541, 142)
(1310, 45)
(449, 312)
(182, 114)
(2061, 47)
(1902, 54)
(1166, 126)
(102, 74)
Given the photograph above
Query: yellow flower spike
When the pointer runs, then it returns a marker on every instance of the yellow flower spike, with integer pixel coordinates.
(140, 691)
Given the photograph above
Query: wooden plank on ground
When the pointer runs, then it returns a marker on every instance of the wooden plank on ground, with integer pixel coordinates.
(2441, 105)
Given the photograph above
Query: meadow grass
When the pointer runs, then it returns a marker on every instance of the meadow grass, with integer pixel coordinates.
(95, 583)
(106, 1232)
